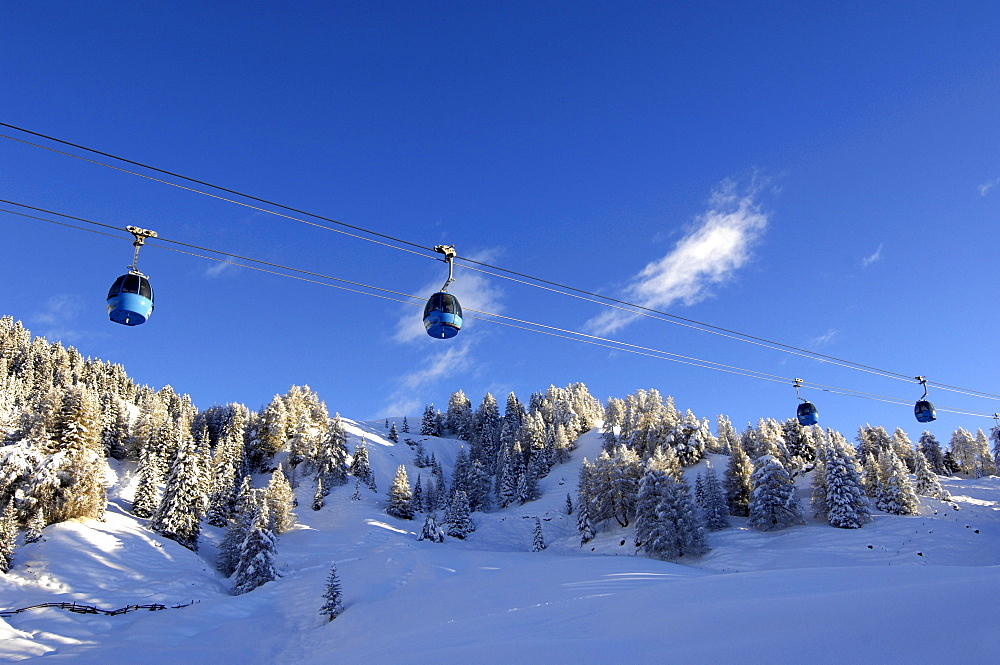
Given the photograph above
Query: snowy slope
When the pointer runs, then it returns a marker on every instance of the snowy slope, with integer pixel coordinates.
(901, 590)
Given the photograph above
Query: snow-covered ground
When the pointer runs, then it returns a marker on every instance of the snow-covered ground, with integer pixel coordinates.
(922, 589)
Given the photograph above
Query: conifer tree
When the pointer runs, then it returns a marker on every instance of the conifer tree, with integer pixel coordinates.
(931, 449)
(357, 491)
(178, 516)
(359, 465)
(318, 499)
(245, 513)
(737, 481)
(428, 425)
(280, 503)
(418, 502)
(847, 506)
(400, 502)
(431, 531)
(537, 538)
(458, 520)
(257, 555)
(145, 501)
(652, 490)
(8, 536)
(984, 465)
(773, 504)
(677, 531)
(926, 481)
(872, 480)
(393, 433)
(715, 508)
(896, 495)
(36, 523)
(405, 429)
(569, 504)
(333, 595)
(584, 525)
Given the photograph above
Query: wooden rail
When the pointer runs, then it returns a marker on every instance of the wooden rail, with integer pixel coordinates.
(90, 609)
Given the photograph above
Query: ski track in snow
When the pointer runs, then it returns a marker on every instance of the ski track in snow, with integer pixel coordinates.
(922, 589)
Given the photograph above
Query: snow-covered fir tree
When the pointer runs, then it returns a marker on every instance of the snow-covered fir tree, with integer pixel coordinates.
(428, 424)
(245, 512)
(846, 504)
(145, 500)
(319, 499)
(393, 433)
(400, 503)
(896, 495)
(872, 479)
(356, 496)
(537, 537)
(360, 468)
(178, 516)
(257, 555)
(333, 596)
(931, 449)
(458, 420)
(737, 482)
(714, 507)
(677, 531)
(773, 503)
(984, 465)
(584, 525)
(569, 504)
(652, 490)
(430, 530)
(36, 523)
(926, 482)
(280, 502)
(8, 536)
(458, 521)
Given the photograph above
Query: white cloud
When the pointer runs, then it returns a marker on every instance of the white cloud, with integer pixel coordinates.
(985, 188)
(717, 246)
(872, 258)
(218, 268)
(405, 400)
(826, 338)
(56, 322)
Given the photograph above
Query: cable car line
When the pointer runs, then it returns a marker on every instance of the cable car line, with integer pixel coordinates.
(490, 317)
(602, 299)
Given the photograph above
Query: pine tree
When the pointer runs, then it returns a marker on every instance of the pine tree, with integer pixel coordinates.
(333, 595)
(676, 532)
(431, 531)
(178, 516)
(926, 481)
(400, 502)
(458, 519)
(652, 490)
(773, 504)
(418, 502)
(847, 506)
(569, 504)
(537, 538)
(318, 499)
(405, 429)
(357, 491)
(428, 424)
(737, 481)
(872, 480)
(36, 523)
(257, 555)
(245, 513)
(360, 468)
(280, 501)
(896, 495)
(145, 501)
(8, 536)
(984, 463)
(715, 508)
(393, 433)
(584, 526)
(931, 449)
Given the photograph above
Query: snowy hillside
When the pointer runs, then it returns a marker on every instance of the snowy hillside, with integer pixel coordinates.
(901, 590)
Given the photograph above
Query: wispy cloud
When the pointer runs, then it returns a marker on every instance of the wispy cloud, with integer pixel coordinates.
(985, 188)
(826, 338)
(58, 320)
(406, 398)
(716, 247)
(872, 258)
(217, 268)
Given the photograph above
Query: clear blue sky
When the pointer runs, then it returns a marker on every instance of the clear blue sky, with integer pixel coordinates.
(826, 175)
